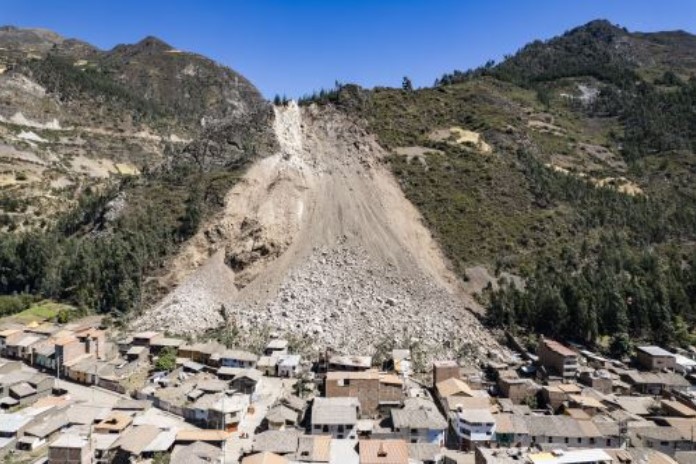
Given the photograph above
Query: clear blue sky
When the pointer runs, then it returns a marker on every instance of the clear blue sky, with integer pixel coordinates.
(295, 46)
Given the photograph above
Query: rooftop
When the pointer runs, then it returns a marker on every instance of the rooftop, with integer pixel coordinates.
(69, 441)
(557, 347)
(383, 452)
(341, 410)
(654, 351)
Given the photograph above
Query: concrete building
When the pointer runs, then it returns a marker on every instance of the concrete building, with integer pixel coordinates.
(473, 427)
(654, 358)
(558, 359)
(337, 417)
(374, 390)
(443, 370)
(69, 449)
(419, 421)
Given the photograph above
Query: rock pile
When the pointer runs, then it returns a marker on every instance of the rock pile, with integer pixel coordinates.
(341, 298)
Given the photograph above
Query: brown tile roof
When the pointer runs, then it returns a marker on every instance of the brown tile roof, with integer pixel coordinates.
(383, 452)
(553, 345)
(265, 458)
(451, 387)
(314, 448)
(201, 435)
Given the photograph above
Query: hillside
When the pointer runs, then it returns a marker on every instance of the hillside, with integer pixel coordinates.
(550, 193)
(570, 164)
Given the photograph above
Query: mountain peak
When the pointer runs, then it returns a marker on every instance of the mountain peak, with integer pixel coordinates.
(148, 45)
(601, 29)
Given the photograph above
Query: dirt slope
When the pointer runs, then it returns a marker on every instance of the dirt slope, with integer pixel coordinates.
(322, 241)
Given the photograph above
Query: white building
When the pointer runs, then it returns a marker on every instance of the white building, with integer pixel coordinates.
(288, 365)
(337, 417)
(474, 427)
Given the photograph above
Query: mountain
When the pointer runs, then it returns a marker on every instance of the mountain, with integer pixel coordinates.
(569, 164)
(549, 193)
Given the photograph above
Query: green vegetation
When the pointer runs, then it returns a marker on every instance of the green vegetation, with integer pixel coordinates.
(601, 267)
(166, 361)
(97, 256)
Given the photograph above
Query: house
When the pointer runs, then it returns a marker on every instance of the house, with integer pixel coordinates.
(44, 431)
(419, 421)
(280, 416)
(443, 370)
(116, 423)
(675, 408)
(288, 365)
(383, 452)
(94, 341)
(654, 383)
(374, 390)
(518, 390)
(268, 365)
(205, 353)
(137, 353)
(195, 453)
(600, 380)
(557, 359)
(511, 430)
(228, 411)
(44, 355)
(238, 358)
(349, 363)
(159, 344)
(565, 431)
(654, 358)
(14, 425)
(9, 337)
(473, 427)
(67, 350)
(335, 416)
(667, 440)
(451, 388)
(146, 338)
(425, 453)
(21, 348)
(315, 449)
(555, 456)
(131, 445)
(163, 443)
(70, 449)
(276, 347)
(283, 442)
(247, 381)
(214, 437)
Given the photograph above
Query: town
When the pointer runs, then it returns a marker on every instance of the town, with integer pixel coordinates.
(70, 393)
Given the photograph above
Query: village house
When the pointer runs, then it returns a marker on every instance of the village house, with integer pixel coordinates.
(281, 416)
(557, 359)
(443, 370)
(247, 381)
(349, 363)
(94, 341)
(116, 423)
(337, 417)
(202, 352)
(67, 350)
(21, 348)
(238, 358)
(383, 452)
(419, 421)
(374, 390)
(473, 427)
(654, 383)
(565, 431)
(70, 449)
(288, 365)
(159, 344)
(145, 338)
(511, 430)
(666, 440)
(654, 358)
(600, 380)
(518, 390)
(276, 347)
(9, 336)
(268, 365)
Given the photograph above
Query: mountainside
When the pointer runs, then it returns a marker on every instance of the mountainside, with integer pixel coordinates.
(72, 116)
(570, 163)
(550, 193)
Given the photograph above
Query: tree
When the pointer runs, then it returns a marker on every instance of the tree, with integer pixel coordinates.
(406, 84)
(166, 360)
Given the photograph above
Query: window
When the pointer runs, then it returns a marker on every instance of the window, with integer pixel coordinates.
(579, 440)
(592, 441)
(609, 442)
(317, 427)
(340, 428)
(340, 436)
(550, 439)
(664, 443)
(414, 431)
(413, 440)
(567, 440)
(326, 428)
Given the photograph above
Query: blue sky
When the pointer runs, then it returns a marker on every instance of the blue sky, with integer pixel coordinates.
(295, 46)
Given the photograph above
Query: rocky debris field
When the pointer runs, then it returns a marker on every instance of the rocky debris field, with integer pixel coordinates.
(342, 299)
